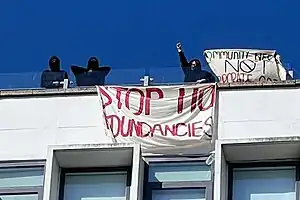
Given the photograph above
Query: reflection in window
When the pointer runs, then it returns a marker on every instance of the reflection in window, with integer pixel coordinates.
(95, 186)
(264, 183)
(179, 194)
(173, 180)
(171, 172)
(19, 197)
(21, 177)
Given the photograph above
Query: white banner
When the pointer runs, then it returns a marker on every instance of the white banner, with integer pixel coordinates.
(245, 65)
(159, 118)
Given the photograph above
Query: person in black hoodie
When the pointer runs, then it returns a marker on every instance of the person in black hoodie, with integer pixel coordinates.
(92, 75)
(52, 78)
(93, 64)
(192, 70)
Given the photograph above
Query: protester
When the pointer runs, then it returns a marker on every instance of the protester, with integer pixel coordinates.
(92, 75)
(54, 77)
(192, 70)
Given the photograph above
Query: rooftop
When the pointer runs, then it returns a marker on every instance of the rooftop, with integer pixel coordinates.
(92, 90)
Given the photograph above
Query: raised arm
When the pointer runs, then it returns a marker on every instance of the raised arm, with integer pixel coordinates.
(182, 57)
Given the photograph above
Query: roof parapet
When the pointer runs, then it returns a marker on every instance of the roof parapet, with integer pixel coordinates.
(92, 90)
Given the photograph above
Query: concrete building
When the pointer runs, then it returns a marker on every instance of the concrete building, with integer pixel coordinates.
(53, 147)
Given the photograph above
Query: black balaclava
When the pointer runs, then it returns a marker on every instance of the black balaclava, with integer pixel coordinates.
(195, 63)
(93, 64)
(54, 64)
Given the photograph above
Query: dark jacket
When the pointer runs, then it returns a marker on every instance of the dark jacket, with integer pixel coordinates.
(90, 78)
(52, 78)
(49, 78)
(196, 73)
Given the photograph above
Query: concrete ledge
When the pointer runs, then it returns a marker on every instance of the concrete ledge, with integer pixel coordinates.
(48, 92)
(92, 90)
(264, 140)
(260, 149)
(60, 157)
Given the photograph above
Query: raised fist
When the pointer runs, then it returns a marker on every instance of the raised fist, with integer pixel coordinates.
(178, 46)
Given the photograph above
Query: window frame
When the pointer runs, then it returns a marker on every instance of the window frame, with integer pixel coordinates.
(23, 190)
(75, 170)
(232, 166)
(150, 186)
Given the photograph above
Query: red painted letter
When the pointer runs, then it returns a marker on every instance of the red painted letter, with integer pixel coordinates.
(142, 97)
(104, 94)
(180, 100)
(194, 99)
(160, 95)
(118, 95)
(207, 91)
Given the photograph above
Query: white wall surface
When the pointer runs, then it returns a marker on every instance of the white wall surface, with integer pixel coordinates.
(259, 113)
(220, 174)
(29, 125)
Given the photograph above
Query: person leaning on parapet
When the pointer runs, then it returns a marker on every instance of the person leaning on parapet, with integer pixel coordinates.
(92, 75)
(52, 78)
(192, 70)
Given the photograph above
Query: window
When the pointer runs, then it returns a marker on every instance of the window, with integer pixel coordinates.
(21, 181)
(179, 194)
(19, 197)
(21, 177)
(178, 180)
(179, 171)
(264, 183)
(91, 184)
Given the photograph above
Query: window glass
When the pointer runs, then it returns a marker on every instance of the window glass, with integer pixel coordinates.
(264, 184)
(19, 197)
(179, 194)
(95, 186)
(174, 172)
(21, 177)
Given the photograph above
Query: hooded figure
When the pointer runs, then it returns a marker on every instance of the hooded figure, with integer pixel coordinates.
(92, 75)
(52, 78)
(93, 64)
(192, 70)
(54, 64)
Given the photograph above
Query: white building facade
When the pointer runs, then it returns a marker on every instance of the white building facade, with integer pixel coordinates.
(53, 147)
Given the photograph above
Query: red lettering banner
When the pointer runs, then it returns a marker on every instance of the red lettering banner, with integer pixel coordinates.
(164, 117)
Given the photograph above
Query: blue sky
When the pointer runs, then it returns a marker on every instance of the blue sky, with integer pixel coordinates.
(140, 34)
